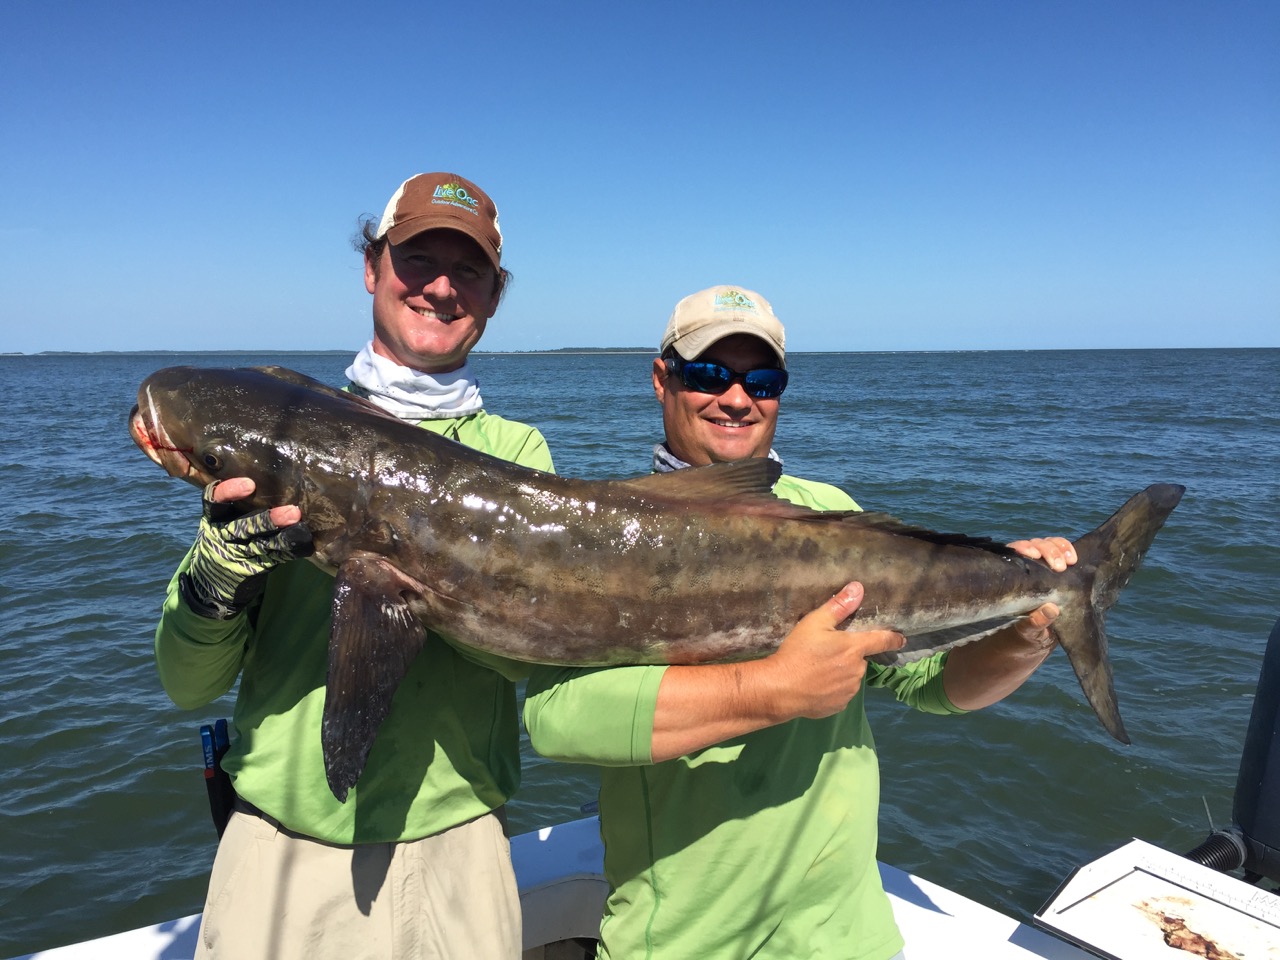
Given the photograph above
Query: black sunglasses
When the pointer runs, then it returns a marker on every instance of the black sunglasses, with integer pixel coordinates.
(763, 383)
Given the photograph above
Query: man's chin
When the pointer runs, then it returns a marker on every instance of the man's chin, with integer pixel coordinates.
(727, 452)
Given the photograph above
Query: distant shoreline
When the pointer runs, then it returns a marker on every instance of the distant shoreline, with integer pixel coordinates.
(579, 351)
(347, 351)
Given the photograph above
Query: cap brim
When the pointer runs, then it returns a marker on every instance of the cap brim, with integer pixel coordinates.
(693, 345)
(408, 229)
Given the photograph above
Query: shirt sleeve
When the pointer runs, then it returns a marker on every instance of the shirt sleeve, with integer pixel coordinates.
(508, 440)
(599, 715)
(917, 684)
(198, 659)
(535, 453)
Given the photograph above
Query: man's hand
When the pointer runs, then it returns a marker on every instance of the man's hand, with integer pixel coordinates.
(819, 667)
(232, 555)
(1033, 629)
(981, 673)
(1058, 553)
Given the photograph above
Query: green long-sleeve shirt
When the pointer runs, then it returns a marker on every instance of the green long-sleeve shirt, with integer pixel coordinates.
(762, 846)
(448, 751)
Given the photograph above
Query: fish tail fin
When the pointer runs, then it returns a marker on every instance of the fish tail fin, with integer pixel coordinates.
(1082, 635)
(1107, 558)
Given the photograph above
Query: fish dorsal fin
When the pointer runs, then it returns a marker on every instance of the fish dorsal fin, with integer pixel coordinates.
(746, 485)
(296, 378)
(310, 383)
(718, 481)
(883, 521)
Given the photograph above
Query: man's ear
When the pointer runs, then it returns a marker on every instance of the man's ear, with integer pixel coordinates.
(660, 379)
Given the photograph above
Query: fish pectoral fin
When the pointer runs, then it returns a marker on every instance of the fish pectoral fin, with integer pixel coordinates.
(374, 640)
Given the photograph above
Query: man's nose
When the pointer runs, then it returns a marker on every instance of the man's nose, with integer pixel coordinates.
(736, 397)
(441, 287)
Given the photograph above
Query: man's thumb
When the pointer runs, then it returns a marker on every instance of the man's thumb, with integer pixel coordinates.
(842, 606)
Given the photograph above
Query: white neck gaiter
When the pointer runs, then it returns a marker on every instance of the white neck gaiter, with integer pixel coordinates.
(664, 461)
(410, 394)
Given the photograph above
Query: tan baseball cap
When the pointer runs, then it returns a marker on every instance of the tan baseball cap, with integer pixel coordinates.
(710, 315)
(434, 201)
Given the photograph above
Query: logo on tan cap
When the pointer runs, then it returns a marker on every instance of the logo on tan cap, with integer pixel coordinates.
(708, 316)
(443, 201)
(731, 299)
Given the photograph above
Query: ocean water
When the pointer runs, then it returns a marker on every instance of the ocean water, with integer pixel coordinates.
(104, 823)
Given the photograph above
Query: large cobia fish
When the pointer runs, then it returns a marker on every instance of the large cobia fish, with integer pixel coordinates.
(688, 567)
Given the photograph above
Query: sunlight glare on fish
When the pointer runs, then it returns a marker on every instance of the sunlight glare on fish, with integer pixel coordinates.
(407, 480)
(547, 528)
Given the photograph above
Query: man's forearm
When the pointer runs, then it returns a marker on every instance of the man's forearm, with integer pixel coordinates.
(704, 705)
(981, 673)
(815, 672)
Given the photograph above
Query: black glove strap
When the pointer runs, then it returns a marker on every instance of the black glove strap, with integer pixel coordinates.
(209, 609)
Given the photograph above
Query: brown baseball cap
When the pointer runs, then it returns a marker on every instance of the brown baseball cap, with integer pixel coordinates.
(710, 315)
(435, 201)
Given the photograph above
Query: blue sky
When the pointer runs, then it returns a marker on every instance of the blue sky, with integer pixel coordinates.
(892, 175)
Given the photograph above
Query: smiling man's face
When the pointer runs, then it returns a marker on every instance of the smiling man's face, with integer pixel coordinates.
(707, 428)
(432, 297)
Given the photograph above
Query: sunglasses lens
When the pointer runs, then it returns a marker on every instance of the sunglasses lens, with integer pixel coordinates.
(707, 377)
(765, 384)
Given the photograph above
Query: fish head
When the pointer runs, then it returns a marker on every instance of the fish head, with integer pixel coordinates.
(206, 424)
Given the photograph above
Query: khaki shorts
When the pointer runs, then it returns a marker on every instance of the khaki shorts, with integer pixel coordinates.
(277, 895)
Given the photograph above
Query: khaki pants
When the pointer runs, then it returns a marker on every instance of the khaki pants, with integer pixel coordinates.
(276, 895)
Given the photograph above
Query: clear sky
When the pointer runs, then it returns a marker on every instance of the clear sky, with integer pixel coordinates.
(892, 175)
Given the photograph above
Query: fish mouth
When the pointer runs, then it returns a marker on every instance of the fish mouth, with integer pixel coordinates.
(152, 439)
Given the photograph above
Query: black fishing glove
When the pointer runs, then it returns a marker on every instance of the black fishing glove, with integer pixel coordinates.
(232, 555)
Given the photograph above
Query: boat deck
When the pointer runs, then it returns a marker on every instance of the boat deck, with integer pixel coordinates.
(559, 870)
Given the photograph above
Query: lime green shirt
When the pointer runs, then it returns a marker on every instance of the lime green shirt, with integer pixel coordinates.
(449, 749)
(762, 846)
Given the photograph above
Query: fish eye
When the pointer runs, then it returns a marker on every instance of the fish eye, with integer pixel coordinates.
(212, 461)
